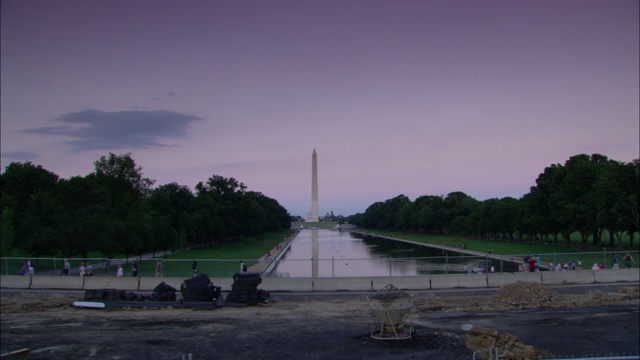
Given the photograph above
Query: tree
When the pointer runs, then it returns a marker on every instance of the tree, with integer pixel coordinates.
(85, 216)
(24, 188)
(7, 230)
(455, 204)
(123, 167)
(170, 205)
(220, 186)
(122, 180)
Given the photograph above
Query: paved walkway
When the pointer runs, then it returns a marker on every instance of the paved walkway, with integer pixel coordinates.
(258, 267)
(102, 263)
(516, 260)
(263, 264)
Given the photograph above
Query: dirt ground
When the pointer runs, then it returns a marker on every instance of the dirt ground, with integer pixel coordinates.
(556, 325)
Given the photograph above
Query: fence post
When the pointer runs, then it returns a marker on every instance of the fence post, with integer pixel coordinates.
(333, 268)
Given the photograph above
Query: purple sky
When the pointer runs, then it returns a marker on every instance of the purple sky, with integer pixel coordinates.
(418, 97)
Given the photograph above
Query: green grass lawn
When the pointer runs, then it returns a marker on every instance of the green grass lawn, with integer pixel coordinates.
(219, 259)
(548, 252)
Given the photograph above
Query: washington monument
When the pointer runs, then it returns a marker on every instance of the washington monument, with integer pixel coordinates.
(314, 187)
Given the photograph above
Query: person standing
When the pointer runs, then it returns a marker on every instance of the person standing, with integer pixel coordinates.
(614, 261)
(88, 271)
(119, 272)
(65, 267)
(81, 269)
(627, 260)
(134, 269)
(525, 263)
(194, 268)
(26, 267)
(159, 268)
(537, 266)
(243, 267)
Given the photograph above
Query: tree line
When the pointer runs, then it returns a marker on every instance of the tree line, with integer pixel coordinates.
(590, 194)
(116, 210)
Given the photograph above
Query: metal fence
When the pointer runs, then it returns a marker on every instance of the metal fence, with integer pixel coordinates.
(329, 267)
(109, 267)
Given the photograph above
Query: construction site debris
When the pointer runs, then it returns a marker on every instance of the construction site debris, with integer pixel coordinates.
(200, 288)
(244, 290)
(527, 294)
(483, 341)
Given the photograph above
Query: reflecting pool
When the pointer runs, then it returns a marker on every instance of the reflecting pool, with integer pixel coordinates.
(328, 253)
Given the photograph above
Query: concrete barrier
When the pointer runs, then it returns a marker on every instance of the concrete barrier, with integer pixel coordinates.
(502, 279)
(459, 281)
(129, 283)
(15, 281)
(402, 282)
(57, 282)
(434, 282)
(618, 275)
(567, 277)
(342, 284)
(286, 284)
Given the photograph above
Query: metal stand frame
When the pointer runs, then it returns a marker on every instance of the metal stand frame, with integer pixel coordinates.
(380, 333)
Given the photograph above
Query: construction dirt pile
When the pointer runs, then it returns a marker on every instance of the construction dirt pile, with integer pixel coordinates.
(525, 295)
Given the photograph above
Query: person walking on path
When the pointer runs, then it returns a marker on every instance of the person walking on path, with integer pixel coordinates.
(614, 261)
(65, 267)
(243, 267)
(627, 260)
(134, 269)
(159, 268)
(88, 271)
(119, 272)
(81, 269)
(194, 268)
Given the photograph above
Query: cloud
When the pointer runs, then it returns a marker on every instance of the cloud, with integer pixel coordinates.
(101, 130)
(19, 155)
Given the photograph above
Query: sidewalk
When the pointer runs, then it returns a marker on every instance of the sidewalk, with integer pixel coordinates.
(73, 270)
(258, 267)
(263, 264)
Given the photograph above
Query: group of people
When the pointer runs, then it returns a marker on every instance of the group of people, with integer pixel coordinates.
(530, 264)
(134, 269)
(571, 265)
(567, 266)
(628, 259)
(85, 269)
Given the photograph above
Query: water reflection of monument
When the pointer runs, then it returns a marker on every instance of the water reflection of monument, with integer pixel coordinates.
(314, 188)
(315, 253)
